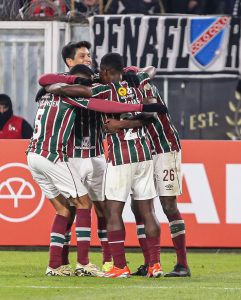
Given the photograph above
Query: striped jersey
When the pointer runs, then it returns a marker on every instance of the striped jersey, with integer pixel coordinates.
(53, 125)
(86, 138)
(162, 133)
(128, 145)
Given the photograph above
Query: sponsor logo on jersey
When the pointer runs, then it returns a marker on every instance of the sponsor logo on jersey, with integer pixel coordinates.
(122, 91)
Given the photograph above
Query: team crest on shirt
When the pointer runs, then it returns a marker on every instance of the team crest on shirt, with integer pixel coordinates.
(122, 91)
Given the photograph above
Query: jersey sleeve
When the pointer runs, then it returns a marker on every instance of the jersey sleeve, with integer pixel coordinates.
(50, 78)
(104, 106)
(143, 78)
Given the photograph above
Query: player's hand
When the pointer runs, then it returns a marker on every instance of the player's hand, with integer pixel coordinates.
(112, 125)
(155, 107)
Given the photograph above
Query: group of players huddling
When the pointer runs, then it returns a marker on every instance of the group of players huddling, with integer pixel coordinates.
(66, 158)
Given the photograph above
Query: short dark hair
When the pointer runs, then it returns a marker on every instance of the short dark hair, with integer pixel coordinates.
(112, 61)
(83, 69)
(69, 50)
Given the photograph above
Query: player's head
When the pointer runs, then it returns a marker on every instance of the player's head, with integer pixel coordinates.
(77, 53)
(6, 110)
(84, 72)
(111, 67)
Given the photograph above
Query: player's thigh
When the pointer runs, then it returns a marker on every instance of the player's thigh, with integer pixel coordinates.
(38, 166)
(95, 178)
(167, 173)
(91, 171)
(61, 175)
(118, 180)
(82, 165)
(143, 187)
(67, 180)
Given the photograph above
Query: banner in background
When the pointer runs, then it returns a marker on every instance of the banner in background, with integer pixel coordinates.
(173, 44)
(210, 204)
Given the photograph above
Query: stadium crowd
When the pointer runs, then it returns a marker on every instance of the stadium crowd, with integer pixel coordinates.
(85, 8)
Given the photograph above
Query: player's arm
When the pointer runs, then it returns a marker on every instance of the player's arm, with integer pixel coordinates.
(113, 125)
(111, 106)
(51, 78)
(74, 90)
(151, 71)
(131, 74)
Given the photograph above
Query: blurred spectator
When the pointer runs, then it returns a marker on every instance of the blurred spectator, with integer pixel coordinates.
(153, 7)
(124, 7)
(87, 7)
(102, 6)
(11, 126)
(233, 7)
(213, 7)
(134, 7)
(49, 8)
(177, 6)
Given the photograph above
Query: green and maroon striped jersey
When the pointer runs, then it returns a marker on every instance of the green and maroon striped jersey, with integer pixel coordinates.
(128, 145)
(53, 124)
(162, 133)
(86, 138)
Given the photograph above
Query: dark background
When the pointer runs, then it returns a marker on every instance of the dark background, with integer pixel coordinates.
(199, 107)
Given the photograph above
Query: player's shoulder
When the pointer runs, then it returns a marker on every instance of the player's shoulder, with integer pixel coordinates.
(99, 88)
(143, 76)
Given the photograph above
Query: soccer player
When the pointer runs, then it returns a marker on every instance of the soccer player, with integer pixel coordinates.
(59, 179)
(166, 151)
(88, 154)
(130, 168)
(88, 151)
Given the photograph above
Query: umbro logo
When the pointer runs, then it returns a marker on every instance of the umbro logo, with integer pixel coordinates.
(169, 187)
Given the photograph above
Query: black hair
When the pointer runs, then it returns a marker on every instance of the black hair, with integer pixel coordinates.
(112, 61)
(83, 69)
(69, 50)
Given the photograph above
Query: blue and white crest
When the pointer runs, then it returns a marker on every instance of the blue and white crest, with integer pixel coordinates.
(206, 36)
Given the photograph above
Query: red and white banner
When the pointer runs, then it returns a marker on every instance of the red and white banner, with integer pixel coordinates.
(210, 204)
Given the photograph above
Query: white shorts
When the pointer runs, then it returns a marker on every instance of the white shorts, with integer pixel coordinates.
(167, 173)
(133, 178)
(55, 178)
(91, 171)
